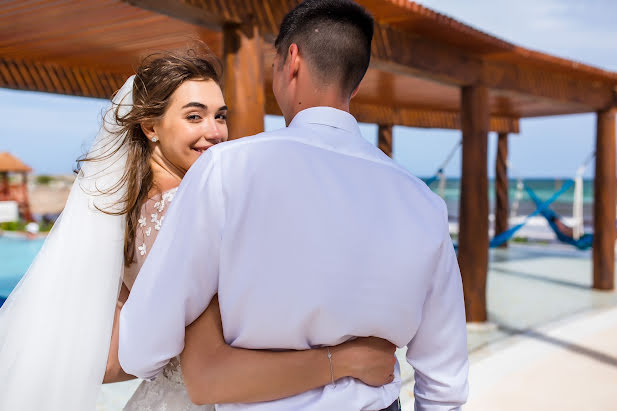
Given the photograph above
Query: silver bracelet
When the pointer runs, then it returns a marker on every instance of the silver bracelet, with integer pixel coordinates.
(331, 368)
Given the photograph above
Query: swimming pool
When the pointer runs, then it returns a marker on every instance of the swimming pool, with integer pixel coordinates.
(16, 255)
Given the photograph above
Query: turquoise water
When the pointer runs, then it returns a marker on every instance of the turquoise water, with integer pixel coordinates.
(544, 188)
(16, 255)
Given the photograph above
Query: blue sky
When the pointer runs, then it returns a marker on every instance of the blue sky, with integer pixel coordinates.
(50, 131)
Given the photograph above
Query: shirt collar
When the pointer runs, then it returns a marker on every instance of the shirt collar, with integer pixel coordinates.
(327, 116)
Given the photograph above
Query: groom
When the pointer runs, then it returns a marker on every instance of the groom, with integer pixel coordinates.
(310, 236)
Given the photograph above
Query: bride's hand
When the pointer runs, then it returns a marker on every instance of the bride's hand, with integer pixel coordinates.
(369, 359)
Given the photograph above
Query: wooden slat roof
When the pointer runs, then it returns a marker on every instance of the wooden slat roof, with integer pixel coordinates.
(420, 58)
(107, 34)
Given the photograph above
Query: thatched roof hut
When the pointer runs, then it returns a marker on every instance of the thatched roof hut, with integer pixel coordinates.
(11, 164)
(11, 192)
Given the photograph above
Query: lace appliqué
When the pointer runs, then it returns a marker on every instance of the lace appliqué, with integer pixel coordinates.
(156, 211)
(165, 393)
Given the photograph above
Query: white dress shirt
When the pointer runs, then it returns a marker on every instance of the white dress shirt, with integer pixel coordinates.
(310, 236)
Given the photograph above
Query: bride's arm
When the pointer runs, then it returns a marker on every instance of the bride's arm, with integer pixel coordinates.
(113, 371)
(216, 373)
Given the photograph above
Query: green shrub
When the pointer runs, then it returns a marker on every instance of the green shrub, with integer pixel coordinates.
(44, 180)
(45, 227)
(13, 226)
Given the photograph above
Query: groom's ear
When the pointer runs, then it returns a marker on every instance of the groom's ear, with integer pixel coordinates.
(354, 92)
(148, 128)
(293, 57)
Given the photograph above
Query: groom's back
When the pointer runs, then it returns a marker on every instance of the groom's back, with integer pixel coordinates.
(325, 239)
(310, 235)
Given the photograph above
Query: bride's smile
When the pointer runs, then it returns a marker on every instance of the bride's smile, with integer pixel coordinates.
(194, 121)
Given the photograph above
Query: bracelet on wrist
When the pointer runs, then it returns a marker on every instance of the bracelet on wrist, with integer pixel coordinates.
(331, 367)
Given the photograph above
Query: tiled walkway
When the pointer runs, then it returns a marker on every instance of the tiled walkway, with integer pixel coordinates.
(567, 366)
(553, 340)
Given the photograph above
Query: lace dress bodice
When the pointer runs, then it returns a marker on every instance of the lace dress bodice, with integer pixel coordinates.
(149, 223)
(167, 392)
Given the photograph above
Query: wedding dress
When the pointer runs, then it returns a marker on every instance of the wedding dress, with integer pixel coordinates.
(167, 392)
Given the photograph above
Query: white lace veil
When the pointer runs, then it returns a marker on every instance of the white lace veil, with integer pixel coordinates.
(55, 327)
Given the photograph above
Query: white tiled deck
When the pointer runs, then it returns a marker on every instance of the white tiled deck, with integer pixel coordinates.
(553, 340)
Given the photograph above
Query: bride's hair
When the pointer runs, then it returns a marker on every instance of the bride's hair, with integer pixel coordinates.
(156, 79)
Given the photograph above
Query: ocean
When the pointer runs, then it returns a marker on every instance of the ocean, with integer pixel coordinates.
(544, 188)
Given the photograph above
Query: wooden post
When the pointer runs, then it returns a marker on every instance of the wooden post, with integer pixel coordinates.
(384, 138)
(26, 200)
(244, 79)
(604, 203)
(501, 186)
(4, 192)
(473, 216)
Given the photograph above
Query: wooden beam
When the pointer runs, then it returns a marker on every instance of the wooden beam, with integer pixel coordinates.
(409, 117)
(605, 191)
(402, 52)
(244, 79)
(539, 82)
(416, 117)
(501, 186)
(214, 14)
(473, 241)
(384, 138)
(189, 11)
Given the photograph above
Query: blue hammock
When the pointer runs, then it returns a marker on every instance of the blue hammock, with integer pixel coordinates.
(583, 243)
(505, 236)
(431, 180)
(501, 238)
(443, 165)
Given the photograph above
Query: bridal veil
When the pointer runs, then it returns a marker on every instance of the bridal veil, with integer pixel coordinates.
(55, 327)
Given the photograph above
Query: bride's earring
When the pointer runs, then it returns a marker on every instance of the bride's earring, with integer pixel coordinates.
(155, 139)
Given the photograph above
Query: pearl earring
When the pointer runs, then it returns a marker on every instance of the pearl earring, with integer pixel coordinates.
(155, 139)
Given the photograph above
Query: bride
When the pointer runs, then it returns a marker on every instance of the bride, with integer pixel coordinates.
(59, 329)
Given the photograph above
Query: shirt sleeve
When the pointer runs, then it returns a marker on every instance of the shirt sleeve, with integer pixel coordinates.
(180, 275)
(438, 351)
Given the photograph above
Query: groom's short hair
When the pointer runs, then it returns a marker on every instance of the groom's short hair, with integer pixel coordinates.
(334, 36)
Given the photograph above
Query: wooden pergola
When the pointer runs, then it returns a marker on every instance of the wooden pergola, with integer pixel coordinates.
(15, 192)
(427, 70)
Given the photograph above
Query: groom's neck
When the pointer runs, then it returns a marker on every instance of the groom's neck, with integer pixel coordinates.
(311, 96)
